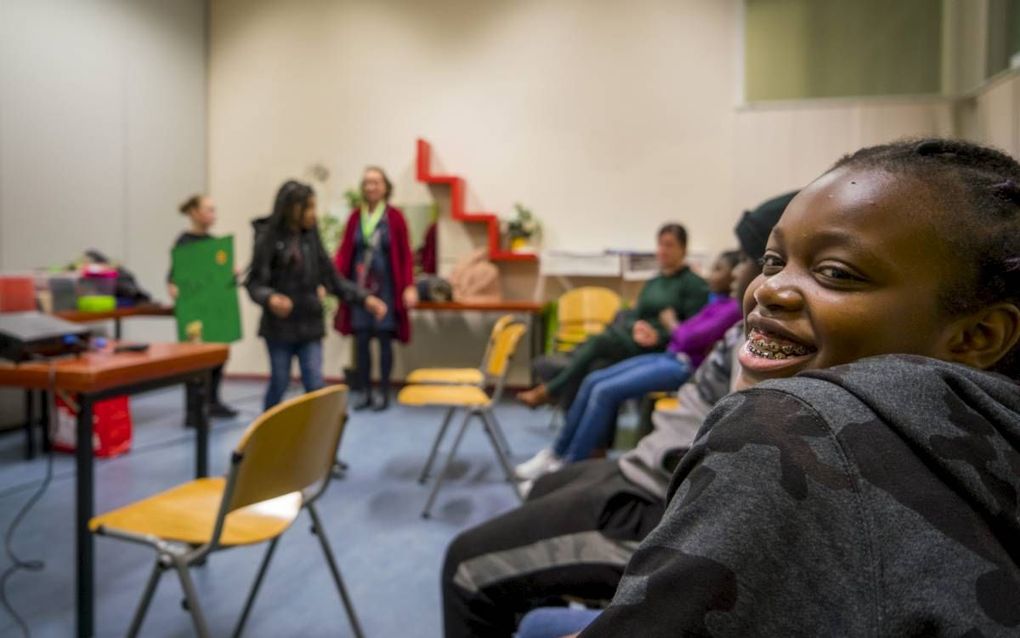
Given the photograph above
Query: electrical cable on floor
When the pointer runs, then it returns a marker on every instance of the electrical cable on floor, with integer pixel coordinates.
(18, 563)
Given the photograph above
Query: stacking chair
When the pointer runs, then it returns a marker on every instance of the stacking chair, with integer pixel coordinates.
(475, 402)
(280, 467)
(462, 376)
(667, 403)
(581, 313)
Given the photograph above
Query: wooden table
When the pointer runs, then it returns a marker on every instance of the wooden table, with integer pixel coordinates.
(143, 310)
(99, 375)
(531, 308)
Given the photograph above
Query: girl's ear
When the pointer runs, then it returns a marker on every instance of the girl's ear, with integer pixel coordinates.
(985, 337)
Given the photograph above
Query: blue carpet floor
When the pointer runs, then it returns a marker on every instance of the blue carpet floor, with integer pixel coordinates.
(389, 556)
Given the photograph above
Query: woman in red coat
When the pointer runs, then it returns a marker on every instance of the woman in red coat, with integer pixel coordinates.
(375, 253)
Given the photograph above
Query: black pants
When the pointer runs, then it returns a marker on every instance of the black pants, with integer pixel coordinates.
(363, 343)
(573, 537)
(547, 367)
(608, 347)
(214, 386)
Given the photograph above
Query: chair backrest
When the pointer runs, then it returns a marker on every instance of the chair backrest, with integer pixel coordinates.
(497, 328)
(290, 448)
(588, 310)
(503, 347)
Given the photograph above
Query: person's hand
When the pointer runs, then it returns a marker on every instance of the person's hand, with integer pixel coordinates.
(645, 335)
(669, 319)
(410, 297)
(376, 307)
(280, 305)
(320, 292)
(173, 291)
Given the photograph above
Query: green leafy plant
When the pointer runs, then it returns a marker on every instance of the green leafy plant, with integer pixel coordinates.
(524, 225)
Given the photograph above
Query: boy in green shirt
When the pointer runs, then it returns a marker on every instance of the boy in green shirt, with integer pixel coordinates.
(675, 287)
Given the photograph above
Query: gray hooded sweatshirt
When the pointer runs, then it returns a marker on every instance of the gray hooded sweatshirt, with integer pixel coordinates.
(880, 498)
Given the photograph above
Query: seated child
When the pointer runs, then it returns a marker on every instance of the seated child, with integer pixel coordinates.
(590, 419)
(578, 527)
(878, 497)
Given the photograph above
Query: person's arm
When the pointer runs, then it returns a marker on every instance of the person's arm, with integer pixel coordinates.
(258, 282)
(696, 335)
(764, 534)
(406, 261)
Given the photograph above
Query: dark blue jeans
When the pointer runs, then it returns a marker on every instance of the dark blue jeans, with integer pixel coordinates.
(555, 622)
(591, 415)
(281, 353)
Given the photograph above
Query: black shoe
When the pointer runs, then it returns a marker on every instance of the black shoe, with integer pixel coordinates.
(222, 411)
(364, 404)
(382, 406)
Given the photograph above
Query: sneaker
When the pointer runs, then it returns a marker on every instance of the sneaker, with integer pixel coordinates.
(542, 463)
(222, 411)
(524, 488)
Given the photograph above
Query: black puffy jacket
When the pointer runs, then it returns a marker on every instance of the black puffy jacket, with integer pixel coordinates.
(294, 264)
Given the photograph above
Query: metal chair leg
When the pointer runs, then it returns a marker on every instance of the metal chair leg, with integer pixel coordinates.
(446, 465)
(194, 608)
(435, 446)
(320, 531)
(492, 429)
(501, 436)
(255, 587)
(147, 593)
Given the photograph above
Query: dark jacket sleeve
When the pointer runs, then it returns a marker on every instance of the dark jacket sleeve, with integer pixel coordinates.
(346, 290)
(259, 279)
(764, 535)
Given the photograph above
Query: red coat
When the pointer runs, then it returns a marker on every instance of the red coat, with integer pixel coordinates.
(401, 264)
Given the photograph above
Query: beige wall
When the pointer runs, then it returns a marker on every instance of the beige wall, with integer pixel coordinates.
(992, 114)
(605, 118)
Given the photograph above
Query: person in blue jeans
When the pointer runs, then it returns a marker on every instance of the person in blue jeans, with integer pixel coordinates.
(555, 622)
(290, 274)
(590, 417)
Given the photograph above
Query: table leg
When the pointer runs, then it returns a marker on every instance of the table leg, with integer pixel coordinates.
(537, 343)
(197, 398)
(29, 424)
(45, 398)
(117, 331)
(84, 507)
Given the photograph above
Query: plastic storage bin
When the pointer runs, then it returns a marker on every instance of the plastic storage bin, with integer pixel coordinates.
(111, 426)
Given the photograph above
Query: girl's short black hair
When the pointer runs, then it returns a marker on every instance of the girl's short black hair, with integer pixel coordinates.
(676, 230)
(978, 189)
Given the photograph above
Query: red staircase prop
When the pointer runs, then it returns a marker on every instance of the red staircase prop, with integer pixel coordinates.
(458, 189)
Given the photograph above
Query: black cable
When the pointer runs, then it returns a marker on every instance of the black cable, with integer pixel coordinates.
(17, 563)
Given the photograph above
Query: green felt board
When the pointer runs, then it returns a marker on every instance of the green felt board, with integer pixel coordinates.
(207, 308)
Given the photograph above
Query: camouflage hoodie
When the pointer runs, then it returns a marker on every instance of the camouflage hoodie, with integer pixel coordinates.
(880, 498)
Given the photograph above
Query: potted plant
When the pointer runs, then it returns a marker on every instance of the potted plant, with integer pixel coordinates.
(521, 229)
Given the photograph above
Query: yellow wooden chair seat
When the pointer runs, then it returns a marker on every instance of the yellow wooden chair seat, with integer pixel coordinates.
(449, 376)
(667, 404)
(466, 396)
(187, 513)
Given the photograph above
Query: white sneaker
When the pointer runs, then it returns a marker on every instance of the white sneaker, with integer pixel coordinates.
(524, 488)
(542, 463)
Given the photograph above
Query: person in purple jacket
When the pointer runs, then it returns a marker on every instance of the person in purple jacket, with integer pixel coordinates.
(592, 413)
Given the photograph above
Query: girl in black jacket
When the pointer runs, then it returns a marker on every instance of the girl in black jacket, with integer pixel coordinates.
(290, 274)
